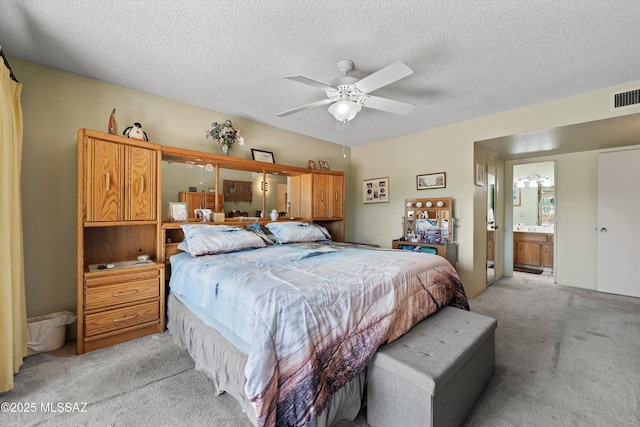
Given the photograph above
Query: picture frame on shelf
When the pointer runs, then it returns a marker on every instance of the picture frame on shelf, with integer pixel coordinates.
(431, 180)
(312, 164)
(262, 156)
(479, 175)
(323, 165)
(375, 190)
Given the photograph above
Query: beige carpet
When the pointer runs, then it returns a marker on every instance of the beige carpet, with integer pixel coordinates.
(564, 356)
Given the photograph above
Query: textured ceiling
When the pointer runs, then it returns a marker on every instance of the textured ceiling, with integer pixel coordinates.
(470, 58)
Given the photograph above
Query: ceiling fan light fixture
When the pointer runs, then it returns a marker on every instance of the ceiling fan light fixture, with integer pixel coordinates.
(344, 110)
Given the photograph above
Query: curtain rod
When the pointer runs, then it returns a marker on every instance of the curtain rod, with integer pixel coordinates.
(4, 58)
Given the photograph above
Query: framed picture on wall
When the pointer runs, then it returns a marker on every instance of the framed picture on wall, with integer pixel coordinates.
(431, 180)
(517, 196)
(375, 190)
(262, 156)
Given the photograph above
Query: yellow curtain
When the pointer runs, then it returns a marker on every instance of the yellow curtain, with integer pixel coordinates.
(13, 311)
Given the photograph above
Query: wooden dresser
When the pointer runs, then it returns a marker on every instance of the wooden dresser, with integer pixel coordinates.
(119, 219)
(201, 201)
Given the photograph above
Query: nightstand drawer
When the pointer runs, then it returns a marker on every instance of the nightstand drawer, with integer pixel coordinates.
(121, 293)
(121, 318)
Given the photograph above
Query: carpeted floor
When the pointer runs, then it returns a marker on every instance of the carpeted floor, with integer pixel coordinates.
(564, 357)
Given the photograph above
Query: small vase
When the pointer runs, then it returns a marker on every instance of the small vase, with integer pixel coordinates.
(225, 150)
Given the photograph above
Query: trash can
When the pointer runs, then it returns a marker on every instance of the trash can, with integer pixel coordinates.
(48, 332)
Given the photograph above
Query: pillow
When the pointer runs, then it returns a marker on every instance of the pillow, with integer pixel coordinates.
(183, 246)
(216, 239)
(292, 232)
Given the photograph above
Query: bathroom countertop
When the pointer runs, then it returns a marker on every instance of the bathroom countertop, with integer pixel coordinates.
(534, 229)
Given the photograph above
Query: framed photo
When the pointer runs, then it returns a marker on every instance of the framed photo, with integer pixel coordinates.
(323, 165)
(375, 190)
(479, 175)
(431, 180)
(517, 201)
(262, 156)
(312, 164)
(177, 211)
(212, 190)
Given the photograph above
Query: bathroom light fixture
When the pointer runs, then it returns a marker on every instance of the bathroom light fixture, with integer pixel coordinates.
(534, 181)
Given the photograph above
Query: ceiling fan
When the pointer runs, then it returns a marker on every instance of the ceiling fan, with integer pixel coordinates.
(347, 95)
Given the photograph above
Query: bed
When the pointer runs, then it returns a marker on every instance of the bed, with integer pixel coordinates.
(288, 328)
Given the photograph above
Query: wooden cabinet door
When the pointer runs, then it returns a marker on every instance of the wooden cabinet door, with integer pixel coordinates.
(140, 184)
(336, 196)
(321, 196)
(547, 254)
(490, 234)
(103, 180)
(328, 196)
(528, 253)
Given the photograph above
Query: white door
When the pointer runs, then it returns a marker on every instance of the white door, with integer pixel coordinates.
(618, 222)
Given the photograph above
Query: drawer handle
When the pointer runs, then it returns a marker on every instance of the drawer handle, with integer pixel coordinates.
(119, 294)
(142, 184)
(123, 319)
(107, 181)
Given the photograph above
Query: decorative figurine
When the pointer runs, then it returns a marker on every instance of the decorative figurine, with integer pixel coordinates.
(113, 123)
(135, 132)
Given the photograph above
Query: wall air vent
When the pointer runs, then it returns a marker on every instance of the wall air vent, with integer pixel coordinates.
(627, 98)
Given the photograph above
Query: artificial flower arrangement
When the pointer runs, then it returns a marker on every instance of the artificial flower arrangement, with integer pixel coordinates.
(225, 135)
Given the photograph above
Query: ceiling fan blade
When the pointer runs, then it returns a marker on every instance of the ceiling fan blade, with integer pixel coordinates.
(387, 75)
(305, 107)
(389, 105)
(309, 82)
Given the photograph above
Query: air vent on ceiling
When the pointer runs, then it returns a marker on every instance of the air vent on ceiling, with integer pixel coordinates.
(627, 98)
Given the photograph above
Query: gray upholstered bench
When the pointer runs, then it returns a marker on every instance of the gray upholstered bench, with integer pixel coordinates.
(433, 375)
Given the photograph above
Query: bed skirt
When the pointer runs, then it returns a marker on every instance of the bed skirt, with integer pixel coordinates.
(224, 364)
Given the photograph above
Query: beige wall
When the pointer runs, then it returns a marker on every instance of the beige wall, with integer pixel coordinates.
(451, 149)
(55, 105)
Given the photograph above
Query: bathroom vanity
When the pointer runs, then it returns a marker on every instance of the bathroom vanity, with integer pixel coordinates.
(533, 248)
